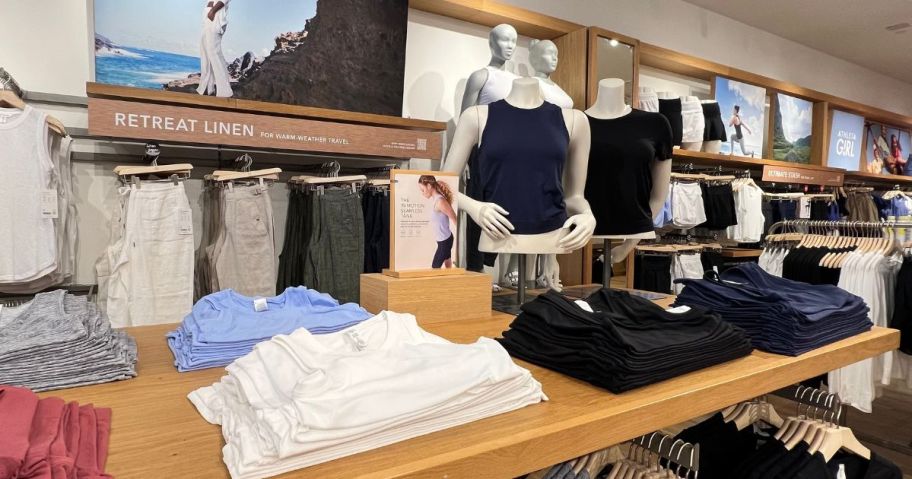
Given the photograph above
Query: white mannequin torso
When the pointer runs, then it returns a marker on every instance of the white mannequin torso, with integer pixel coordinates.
(609, 104)
(525, 94)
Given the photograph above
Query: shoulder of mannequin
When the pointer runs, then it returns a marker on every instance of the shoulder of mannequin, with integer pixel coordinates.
(478, 75)
(472, 113)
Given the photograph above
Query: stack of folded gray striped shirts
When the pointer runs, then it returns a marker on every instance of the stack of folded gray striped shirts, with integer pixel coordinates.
(58, 340)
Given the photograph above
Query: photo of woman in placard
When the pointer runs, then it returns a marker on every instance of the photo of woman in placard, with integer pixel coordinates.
(442, 217)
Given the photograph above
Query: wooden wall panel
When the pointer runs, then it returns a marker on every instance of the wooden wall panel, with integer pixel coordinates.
(489, 13)
(573, 50)
(820, 128)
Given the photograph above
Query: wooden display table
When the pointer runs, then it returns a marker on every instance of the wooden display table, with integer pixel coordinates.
(156, 432)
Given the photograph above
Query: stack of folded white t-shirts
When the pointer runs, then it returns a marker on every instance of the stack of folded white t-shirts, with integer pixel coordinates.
(303, 399)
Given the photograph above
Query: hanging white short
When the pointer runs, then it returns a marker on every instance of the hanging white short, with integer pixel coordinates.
(687, 210)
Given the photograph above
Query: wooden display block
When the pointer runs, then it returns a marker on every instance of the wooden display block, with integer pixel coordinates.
(431, 299)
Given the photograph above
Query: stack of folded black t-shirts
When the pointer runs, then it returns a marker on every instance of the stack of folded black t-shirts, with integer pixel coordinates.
(779, 315)
(618, 341)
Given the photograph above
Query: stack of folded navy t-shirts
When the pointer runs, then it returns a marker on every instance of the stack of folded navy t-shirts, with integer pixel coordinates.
(618, 341)
(779, 315)
(226, 325)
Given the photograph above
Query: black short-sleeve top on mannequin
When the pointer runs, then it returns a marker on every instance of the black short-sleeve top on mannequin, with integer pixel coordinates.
(619, 181)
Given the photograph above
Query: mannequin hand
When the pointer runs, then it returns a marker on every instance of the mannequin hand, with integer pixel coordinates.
(579, 236)
(620, 252)
(493, 221)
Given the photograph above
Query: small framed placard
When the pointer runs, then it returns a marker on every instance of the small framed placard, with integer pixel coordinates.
(423, 223)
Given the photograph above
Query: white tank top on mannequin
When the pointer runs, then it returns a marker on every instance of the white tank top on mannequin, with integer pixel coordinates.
(555, 94)
(497, 86)
(28, 241)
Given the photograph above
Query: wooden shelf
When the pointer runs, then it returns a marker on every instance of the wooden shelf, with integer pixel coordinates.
(114, 92)
(688, 65)
(488, 13)
(878, 178)
(156, 429)
(735, 161)
(741, 253)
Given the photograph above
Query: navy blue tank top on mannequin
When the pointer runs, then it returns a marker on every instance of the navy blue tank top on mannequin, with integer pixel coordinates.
(521, 164)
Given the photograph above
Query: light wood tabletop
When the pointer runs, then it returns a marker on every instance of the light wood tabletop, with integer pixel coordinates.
(156, 432)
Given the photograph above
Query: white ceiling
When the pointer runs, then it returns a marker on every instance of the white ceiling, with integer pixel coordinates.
(854, 30)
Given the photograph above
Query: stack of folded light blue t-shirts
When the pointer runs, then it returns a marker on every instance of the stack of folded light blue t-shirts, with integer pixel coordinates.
(226, 325)
(779, 315)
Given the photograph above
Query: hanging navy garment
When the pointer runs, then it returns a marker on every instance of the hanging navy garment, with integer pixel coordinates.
(521, 163)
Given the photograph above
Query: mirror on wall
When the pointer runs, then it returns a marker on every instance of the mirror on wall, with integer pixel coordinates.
(614, 57)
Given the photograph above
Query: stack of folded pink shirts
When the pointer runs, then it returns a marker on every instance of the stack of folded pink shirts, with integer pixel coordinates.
(51, 439)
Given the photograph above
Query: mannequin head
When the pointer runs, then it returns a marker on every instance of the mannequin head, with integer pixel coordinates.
(543, 56)
(502, 41)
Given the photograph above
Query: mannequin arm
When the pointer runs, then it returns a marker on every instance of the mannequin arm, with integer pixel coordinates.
(661, 182)
(491, 217)
(575, 184)
(473, 88)
(619, 253)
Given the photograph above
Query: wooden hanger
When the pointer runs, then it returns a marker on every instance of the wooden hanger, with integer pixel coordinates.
(758, 411)
(688, 176)
(832, 437)
(228, 175)
(129, 170)
(835, 438)
(326, 180)
(12, 100)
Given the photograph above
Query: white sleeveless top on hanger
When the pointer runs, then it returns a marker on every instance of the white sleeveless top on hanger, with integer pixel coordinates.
(28, 242)
(497, 86)
(555, 94)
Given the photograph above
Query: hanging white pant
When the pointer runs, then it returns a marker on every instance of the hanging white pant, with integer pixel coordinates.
(685, 266)
(213, 67)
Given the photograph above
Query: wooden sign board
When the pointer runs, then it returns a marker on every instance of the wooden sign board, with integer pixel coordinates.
(804, 176)
(150, 121)
(420, 218)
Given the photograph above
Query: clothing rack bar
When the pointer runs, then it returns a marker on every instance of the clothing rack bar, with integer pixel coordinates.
(838, 224)
(675, 451)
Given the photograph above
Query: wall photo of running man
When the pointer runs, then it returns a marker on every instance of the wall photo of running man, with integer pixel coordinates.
(424, 221)
(887, 150)
(744, 109)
